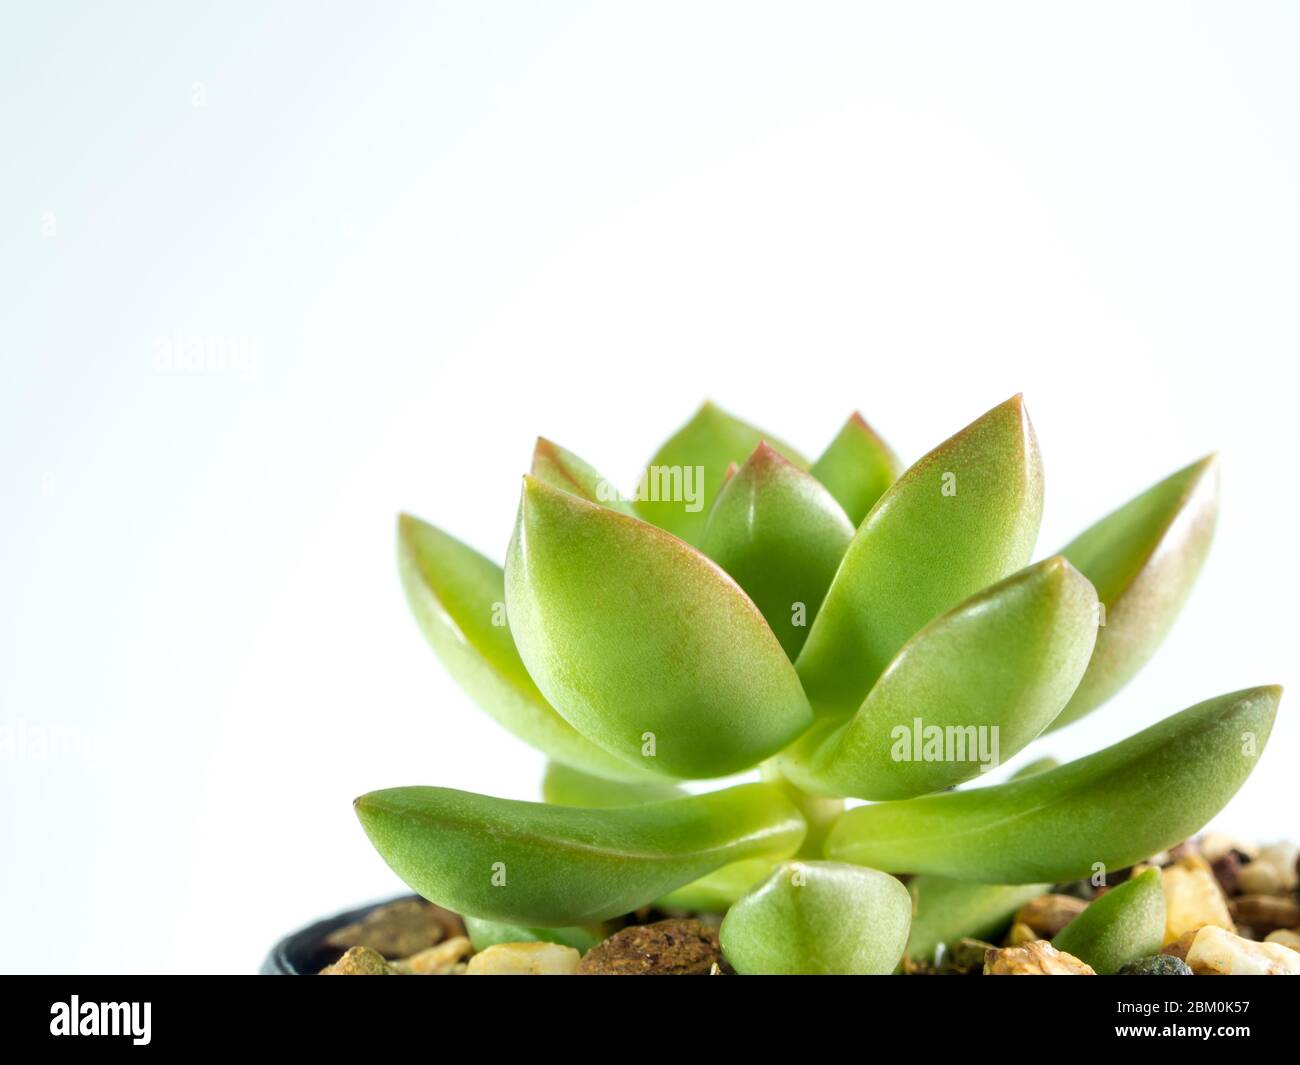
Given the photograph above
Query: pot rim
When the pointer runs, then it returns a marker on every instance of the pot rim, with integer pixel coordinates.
(298, 952)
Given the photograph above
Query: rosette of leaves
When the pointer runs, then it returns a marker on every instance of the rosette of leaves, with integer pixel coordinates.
(846, 628)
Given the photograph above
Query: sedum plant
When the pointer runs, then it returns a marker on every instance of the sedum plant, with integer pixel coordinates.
(846, 628)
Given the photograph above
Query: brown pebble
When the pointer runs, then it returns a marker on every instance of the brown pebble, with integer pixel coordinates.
(399, 929)
(1266, 913)
(1038, 958)
(1227, 869)
(1048, 914)
(441, 960)
(1259, 878)
(359, 961)
(677, 947)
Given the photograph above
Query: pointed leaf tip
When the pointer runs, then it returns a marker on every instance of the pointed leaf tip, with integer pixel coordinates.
(1117, 806)
(968, 691)
(962, 517)
(681, 482)
(857, 467)
(1126, 923)
(644, 645)
(564, 470)
(781, 535)
(1143, 559)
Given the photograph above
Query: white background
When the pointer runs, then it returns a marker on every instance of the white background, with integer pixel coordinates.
(439, 229)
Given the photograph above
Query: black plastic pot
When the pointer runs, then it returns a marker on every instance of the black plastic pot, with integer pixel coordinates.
(303, 952)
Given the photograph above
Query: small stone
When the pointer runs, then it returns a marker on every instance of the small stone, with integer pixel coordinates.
(1227, 871)
(524, 959)
(1218, 953)
(1288, 937)
(1180, 946)
(1193, 898)
(1259, 878)
(441, 960)
(359, 961)
(1155, 965)
(1048, 914)
(1267, 913)
(1214, 845)
(1038, 958)
(1285, 858)
(1020, 933)
(677, 947)
(399, 929)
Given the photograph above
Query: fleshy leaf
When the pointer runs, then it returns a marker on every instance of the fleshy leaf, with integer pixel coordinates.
(1126, 923)
(962, 517)
(818, 918)
(716, 892)
(1038, 765)
(945, 911)
(781, 535)
(458, 599)
(1143, 559)
(857, 467)
(966, 692)
(565, 786)
(484, 934)
(1117, 806)
(683, 478)
(645, 646)
(533, 864)
(564, 470)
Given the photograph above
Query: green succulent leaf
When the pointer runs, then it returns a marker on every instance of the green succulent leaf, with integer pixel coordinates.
(1126, 923)
(781, 535)
(717, 892)
(962, 517)
(533, 864)
(818, 918)
(683, 478)
(969, 690)
(945, 911)
(1038, 765)
(1115, 807)
(645, 646)
(1143, 559)
(565, 786)
(484, 934)
(458, 599)
(856, 468)
(564, 470)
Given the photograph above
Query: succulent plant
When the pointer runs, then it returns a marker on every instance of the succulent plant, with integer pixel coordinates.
(845, 627)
